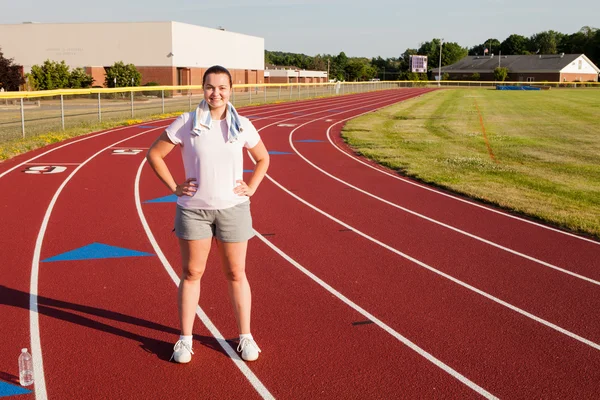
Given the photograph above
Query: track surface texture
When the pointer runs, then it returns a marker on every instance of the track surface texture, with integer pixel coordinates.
(366, 284)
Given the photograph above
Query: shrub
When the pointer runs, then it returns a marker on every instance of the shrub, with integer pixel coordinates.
(500, 73)
(121, 75)
(154, 93)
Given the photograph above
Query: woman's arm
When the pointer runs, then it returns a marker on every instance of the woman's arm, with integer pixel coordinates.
(156, 154)
(260, 154)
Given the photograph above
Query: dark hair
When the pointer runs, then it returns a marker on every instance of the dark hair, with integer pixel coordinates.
(217, 69)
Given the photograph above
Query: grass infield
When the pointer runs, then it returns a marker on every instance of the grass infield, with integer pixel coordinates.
(536, 153)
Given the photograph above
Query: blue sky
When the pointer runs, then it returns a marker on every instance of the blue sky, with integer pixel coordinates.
(383, 28)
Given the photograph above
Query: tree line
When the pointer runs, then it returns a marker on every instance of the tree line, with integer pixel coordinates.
(585, 41)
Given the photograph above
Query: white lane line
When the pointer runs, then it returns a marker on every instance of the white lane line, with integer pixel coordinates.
(34, 325)
(379, 323)
(56, 163)
(115, 130)
(60, 147)
(426, 266)
(40, 387)
(385, 102)
(440, 273)
(489, 242)
(449, 195)
(327, 107)
(252, 378)
(290, 106)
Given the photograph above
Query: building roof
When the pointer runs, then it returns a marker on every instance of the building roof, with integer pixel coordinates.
(522, 63)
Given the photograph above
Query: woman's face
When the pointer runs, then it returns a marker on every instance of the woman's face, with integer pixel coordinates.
(217, 90)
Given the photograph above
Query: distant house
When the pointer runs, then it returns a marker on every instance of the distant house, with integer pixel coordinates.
(527, 68)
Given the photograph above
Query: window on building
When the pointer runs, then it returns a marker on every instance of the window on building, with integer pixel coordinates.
(530, 79)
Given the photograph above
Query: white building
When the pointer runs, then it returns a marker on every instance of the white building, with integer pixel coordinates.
(274, 74)
(169, 53)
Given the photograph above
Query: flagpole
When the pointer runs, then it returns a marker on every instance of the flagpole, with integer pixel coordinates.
(440, 64)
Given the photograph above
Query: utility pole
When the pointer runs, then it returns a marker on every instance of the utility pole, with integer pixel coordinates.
(440, 64)
(328, 70)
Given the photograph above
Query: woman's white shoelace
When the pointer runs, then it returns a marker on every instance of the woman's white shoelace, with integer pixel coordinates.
(181, 345)
(247, 342)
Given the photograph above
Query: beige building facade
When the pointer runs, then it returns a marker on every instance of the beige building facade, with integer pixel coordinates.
(168, 53)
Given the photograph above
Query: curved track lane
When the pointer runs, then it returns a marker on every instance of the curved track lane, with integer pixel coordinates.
(365, 284)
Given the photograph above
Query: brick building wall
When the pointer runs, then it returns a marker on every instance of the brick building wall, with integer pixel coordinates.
(98, 74)
(160, 75)
(172, 76)
(574, 77)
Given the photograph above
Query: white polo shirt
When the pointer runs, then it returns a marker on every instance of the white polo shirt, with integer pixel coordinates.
(215, 162)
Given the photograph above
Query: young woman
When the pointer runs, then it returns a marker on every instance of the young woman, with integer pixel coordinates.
(212, 201)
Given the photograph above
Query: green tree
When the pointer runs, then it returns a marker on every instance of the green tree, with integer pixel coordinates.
(360, 69)
(318, 63)
(50, 75)
(514, 45)
(79, 79)
(493, 46)
(404, 60)
(594, 48)
(121, 75)
(340, 62)
(500, 74)
(544, 42)
(585, 41)
(10, 74)
(387, 69)
(451, 52)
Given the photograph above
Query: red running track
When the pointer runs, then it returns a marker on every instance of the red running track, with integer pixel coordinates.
(365, 284)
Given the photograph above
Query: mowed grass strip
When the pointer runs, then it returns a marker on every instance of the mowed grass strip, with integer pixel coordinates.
(13, 147)
(546, 146)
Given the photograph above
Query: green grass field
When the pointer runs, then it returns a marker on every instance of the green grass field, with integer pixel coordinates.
(541, 159)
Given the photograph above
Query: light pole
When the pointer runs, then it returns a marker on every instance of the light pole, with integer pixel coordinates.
(440, 64)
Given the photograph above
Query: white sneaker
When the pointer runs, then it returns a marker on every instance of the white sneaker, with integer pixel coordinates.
(182, 352)
(249, 349)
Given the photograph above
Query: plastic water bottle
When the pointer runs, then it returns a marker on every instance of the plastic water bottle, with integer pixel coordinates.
(25, 368)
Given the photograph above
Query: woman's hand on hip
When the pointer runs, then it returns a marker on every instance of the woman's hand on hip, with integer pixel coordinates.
(187, 188)
(242, 189)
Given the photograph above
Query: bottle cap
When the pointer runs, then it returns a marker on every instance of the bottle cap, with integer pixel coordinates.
(24, 350)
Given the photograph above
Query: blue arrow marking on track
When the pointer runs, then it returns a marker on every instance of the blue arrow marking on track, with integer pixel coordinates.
(167, 199)
(96, 251)
(297, 113)
(248, 170)
(6, 389)
(147, 126)
(251, 116)
(309, 141)
(278, 152)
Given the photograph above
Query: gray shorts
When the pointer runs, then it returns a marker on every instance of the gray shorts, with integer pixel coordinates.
(232, 224)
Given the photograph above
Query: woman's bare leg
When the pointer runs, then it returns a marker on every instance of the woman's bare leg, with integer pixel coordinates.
(194, 254)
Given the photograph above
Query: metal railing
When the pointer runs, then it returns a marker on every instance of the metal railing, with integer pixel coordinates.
(25, 114)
